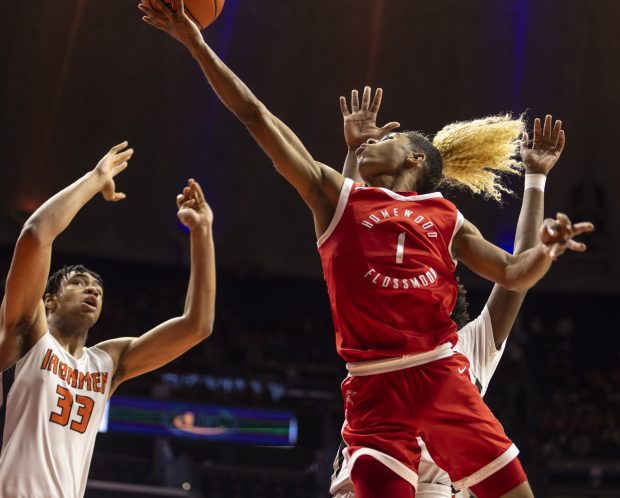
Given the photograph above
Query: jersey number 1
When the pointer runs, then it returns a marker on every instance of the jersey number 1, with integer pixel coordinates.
(400, 248)
(65, 403)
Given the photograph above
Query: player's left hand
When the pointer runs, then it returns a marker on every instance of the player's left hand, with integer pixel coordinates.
(361, 123)
(194, 212)
(557, 235)
(546, 148)
(176, 23)
(110, 165)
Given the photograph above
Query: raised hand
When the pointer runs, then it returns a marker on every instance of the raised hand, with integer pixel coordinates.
(360, 123)
(111, 165)
(174, 22)
(193, 211)
(557, 235)
(546, 147)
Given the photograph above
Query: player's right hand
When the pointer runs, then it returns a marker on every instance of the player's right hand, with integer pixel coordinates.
(361, 123)
(177, 24)
(111, 165)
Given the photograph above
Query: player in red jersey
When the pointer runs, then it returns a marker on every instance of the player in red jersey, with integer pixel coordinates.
(389, 250)
(482, 340)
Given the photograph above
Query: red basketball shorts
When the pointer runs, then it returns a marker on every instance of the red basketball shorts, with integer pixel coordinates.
(437, 401)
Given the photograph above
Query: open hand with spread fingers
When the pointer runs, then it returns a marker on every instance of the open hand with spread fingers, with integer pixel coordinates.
(194, 212)
(546, 148)
(557, 235)
(109, 166)
(360, 124)
(176, 23)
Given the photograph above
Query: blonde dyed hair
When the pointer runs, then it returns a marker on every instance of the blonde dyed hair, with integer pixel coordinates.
(477, 154)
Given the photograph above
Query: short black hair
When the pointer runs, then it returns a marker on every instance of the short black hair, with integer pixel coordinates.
(460, 313)
(434, 163)
(53, 283)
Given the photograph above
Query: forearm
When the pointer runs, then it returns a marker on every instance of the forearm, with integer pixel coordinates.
(200, 300)
(53, 217)
(233, 93)
(503, 304)
(527, 268)
(349, 169)
(530, 219)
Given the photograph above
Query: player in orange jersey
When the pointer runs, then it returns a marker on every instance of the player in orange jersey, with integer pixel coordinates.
(53, 388)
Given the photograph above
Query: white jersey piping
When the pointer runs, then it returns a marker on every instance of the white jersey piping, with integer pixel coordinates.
(488, 470)
(372, 367)
(342, 203)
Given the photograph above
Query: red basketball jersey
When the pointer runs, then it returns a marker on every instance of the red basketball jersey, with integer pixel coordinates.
(389, 272)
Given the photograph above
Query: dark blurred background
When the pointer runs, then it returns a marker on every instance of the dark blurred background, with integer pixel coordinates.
(78, 77)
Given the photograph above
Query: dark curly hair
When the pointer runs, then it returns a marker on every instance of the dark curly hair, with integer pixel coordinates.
(434, 164)
(460, 313)
(53, 283)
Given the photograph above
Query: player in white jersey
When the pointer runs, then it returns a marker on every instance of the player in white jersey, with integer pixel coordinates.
(482, 340)
(53, 389)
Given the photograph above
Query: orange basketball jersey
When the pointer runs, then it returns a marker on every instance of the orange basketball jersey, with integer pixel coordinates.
(50, 411)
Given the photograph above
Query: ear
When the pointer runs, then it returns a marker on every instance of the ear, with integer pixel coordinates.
(50, 302)
(415, 160)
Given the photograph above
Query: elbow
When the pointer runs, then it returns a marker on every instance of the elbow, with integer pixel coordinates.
(34, 233)
(516, 285)
(205, 331)
(198, 327)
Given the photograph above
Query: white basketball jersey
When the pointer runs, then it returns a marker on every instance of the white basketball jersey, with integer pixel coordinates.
(476, 342)
(51, 407)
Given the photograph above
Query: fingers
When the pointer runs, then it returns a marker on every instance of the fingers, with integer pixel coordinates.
(392, 125)
(547, 129)
(191, 196)
(118, 147)
(366, 98)
(150, 10)
(123, 156)
(555, 134)
(154, 22)
(118, 196)
(343, 107)
(537, 133)
(355, 104)
(118, 169)
(195, 186)
(584, 227)
(376, 102)
(525, 138)
(561, 141)
(575, 246)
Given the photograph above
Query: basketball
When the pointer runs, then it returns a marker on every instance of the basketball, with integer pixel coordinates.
(202, 12)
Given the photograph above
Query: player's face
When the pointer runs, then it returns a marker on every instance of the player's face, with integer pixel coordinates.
(80, 294)
(384, 157)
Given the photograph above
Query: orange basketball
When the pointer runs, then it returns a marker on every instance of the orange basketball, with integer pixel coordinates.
(202, 12)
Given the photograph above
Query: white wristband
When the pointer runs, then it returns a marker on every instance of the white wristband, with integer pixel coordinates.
(535, 180)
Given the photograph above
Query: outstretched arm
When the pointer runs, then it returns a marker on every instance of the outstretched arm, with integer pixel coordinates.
(134, 356)
(522, 271)
(539, 159)
(22, 315)
(360, 125)
(318, 185)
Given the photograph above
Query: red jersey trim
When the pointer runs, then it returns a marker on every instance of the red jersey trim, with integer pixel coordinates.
(342, 203)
